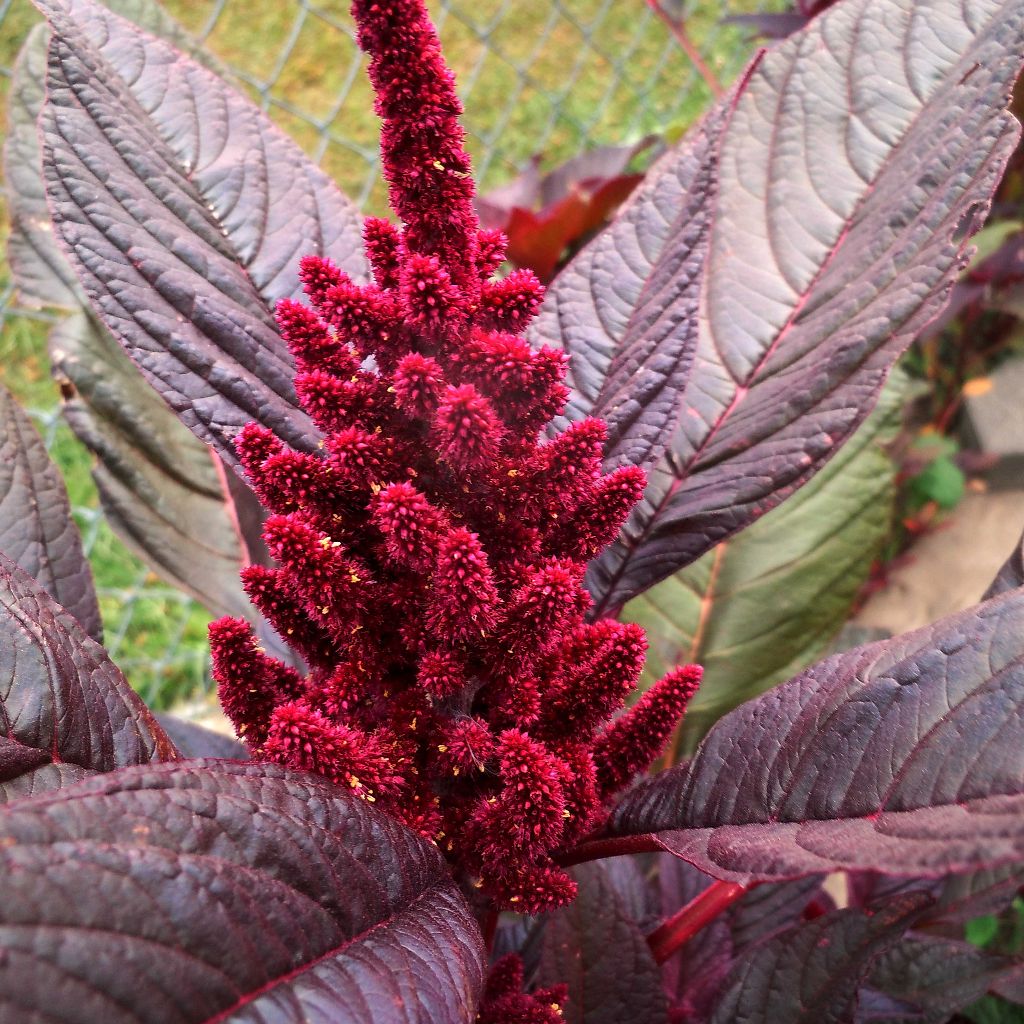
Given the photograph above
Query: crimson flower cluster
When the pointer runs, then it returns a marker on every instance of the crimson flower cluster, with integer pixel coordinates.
(430, 553)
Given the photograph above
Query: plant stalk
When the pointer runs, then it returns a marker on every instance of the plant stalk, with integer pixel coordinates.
(685, 923)
(682, 37)
(599, 849)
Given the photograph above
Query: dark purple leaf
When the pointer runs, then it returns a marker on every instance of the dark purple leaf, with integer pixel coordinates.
(65, 709)
(625, 308)
(38, 265)
(941, 976)
(1011, 575)
(197, 741)
(904, 756)
(858, 158)
(595, 947)
(956, 899)
(41, 270)
(693, 976)
(184, 212)
(811, 972)
(157, 482)
(214, 890)
(36, 528)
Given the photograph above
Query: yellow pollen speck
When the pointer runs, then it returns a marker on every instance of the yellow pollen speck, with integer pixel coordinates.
(477, 882)
(354, 578)
(290, 631)
(455, 771)
(354, 782)
(325, 542)
(514, 899)
(513, 472)
(566, 814)
(442, 747)
(438, 166)
(325, 609)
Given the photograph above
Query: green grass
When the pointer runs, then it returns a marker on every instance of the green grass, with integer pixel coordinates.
(537, 78)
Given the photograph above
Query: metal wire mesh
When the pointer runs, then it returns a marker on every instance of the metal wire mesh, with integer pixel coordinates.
(539, 77)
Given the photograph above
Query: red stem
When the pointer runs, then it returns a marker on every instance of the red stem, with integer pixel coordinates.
(682, 37)
(599, 849)
(685, 923)
(488, 926)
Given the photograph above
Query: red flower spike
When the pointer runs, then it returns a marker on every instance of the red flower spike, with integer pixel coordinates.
(359, 458)
(331, 402)
(422, 150)
(510, 304)
(411, 526)
(467, 430)
(300, 737)
(603, 667)
(550, 602)
(534, 889)
(307, 337)
(441, 674)
(505, 977)
(492, 247)
(382, 240)
(255, 444)
(431, 555)
(365, 317)
(250, 682)
(571, 463)
(631, 743)
(292, 478)
(465, 601)
(266, 589)
(418, 385)
(596, 521)
(318, 274)
(464, 747)
(529, 815)
(429, 298)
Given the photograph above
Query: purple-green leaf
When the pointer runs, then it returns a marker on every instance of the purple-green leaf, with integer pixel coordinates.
(65, 709)
(693, 976)
(811, 972)
(595, 947)
(36, 528)
(205, 891)
(184, 213)
(859, 157)
(904, 756)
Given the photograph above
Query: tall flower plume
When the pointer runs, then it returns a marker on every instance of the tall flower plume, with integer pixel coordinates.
(430, 554)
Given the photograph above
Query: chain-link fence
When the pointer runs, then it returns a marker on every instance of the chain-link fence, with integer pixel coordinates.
(538, 77)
